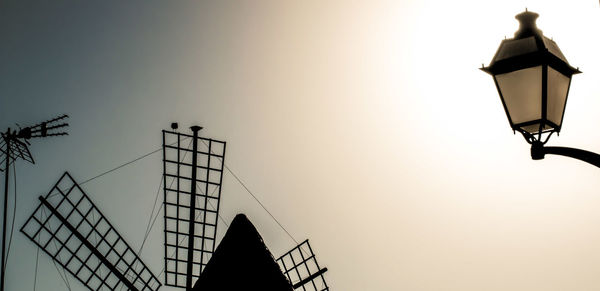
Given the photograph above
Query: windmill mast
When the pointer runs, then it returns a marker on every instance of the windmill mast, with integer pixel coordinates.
(190, 257)
(16, 147)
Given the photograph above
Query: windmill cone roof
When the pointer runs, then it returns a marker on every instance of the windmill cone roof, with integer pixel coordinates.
(242, 262)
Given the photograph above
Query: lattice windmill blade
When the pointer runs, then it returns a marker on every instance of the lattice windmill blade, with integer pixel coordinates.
(302, 270)
(72, 230)
(192, 192)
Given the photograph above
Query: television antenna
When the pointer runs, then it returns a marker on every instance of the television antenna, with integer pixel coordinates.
(14, 145)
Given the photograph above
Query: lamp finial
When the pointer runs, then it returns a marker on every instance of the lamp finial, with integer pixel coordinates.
(527, 26)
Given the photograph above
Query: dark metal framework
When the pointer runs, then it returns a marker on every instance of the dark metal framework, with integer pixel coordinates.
(539, 151)
(14, 146)
(530, 48)
(302, 270)
(192, 192)
(72, 230)
(17, 150)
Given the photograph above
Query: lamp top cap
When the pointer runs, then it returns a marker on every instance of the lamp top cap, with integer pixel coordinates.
(527, 26)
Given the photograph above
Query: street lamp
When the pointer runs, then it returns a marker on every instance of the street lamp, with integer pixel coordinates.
(533, 79)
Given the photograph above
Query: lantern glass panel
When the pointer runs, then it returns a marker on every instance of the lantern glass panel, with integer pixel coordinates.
(558, 87)
(522, 93)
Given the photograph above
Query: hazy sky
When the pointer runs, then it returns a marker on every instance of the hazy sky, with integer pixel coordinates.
(364, 126)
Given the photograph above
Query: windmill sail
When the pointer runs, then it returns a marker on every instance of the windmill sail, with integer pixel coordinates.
(193, 172)
(302, 270)
(71, 229)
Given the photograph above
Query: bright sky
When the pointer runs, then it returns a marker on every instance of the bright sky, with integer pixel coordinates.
(364, 126)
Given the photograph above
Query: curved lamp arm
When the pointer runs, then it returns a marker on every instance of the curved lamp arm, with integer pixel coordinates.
(538, 151)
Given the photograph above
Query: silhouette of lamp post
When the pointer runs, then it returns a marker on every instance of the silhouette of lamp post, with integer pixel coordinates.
(533, 79)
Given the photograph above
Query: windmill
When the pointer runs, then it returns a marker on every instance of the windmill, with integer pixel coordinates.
(70, 228)
(15, 146)
(192, 193)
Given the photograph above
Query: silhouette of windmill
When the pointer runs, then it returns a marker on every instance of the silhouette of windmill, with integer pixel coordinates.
(68, 226)
(192, 192)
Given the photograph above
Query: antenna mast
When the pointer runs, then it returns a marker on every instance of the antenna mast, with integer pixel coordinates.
(15, 147)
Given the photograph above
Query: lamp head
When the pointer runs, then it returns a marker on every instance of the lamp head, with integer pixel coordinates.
(533, 78)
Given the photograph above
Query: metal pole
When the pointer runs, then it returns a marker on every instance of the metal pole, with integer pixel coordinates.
(165, 201)
(190, 254)
(538, 151)
(6, 174)
(205, 205)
